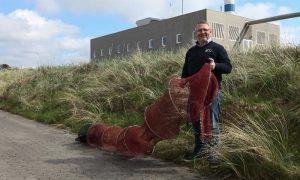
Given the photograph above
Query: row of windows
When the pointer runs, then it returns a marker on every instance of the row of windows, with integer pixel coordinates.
(261, 38)
(218, 33)
(234, 32)
(138, 45)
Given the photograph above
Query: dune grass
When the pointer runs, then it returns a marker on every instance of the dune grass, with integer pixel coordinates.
(260, 105)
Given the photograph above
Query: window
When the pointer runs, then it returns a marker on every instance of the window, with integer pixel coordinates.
(218, 30)
(260, 37)
(101, 52)
(110, 51)
(178, 38)
(234, 33)
(139, 45)
(194, 38)
(150, 43)
(124, 47)
(119, 49)
(164, 41)
(128, 48)
(273, 40)
(94, 55)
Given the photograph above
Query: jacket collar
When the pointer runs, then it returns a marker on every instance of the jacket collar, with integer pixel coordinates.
(208, 41)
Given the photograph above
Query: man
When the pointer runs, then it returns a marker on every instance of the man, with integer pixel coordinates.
(206, 51)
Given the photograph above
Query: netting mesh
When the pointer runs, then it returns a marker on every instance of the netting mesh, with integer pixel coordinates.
(183, 100)
(164, 117)
(110, 137)
(131, 142)
(198, 86)
(211, 94)
(203, 88)
(94, 134)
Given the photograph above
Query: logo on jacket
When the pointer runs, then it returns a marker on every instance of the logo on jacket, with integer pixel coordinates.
(208, 51)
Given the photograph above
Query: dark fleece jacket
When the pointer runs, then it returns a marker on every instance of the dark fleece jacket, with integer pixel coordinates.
(197, 56)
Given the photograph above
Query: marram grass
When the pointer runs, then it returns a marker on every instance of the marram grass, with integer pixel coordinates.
(260, 105)
(255, 147)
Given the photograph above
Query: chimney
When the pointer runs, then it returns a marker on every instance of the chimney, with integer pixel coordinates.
(229, 6)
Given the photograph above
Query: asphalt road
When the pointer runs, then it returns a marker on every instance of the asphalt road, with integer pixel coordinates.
(30, 151)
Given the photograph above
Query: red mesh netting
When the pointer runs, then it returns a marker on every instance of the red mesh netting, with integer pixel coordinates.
(163, 118)
(110, 137)
(184, 99)
(131, 142)
(203, 88)
(199, 85)
(210, 96)
(94, 134)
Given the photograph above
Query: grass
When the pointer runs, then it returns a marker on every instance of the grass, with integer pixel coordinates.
(260, 105)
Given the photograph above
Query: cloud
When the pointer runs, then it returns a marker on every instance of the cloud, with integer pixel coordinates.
(133, 10)
(28, 40)
(289, 34)
(257, 11)
(130, 10)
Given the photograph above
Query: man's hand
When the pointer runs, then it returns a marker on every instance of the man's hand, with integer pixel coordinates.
(212, 63)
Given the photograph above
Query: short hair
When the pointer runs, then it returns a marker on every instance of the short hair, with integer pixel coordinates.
(202, 22)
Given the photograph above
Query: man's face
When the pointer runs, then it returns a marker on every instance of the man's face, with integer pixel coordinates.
(203, 32)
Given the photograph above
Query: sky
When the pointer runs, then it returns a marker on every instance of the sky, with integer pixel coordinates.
(35, 33)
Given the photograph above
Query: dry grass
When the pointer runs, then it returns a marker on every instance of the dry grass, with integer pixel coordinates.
(260, 106)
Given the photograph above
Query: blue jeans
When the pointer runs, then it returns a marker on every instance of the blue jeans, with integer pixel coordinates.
(215, 120)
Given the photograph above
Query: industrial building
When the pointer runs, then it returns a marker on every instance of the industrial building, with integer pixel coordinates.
(169, 34)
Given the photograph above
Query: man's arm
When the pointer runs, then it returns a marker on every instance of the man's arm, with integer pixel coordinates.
(223, 65)
(184, 73)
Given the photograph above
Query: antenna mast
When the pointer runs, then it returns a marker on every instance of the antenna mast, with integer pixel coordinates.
(181, 7)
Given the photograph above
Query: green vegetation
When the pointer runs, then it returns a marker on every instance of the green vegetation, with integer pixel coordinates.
(260, 106)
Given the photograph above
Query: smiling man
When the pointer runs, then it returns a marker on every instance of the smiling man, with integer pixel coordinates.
(206, 51)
